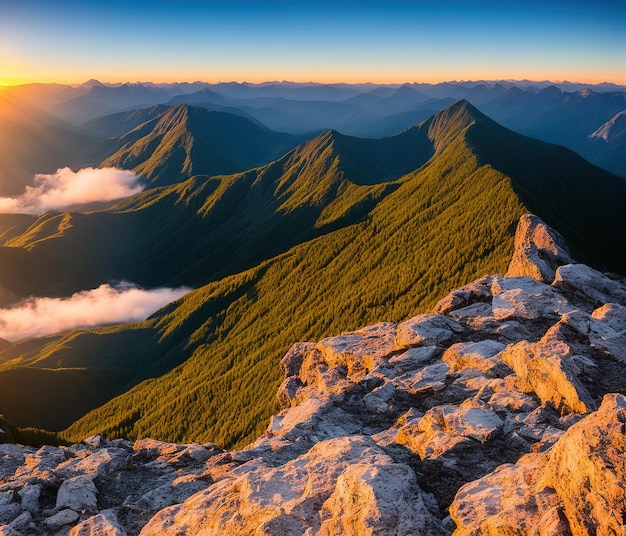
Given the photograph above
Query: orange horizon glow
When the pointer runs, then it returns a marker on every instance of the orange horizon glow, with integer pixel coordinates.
(390, 79)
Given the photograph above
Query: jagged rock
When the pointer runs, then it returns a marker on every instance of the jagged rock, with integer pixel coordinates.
(103, 461)
(426, 330)
(21, 522)
(58, 520)
(79, 494)
(525, 298)
(444, 428)
(605, 328)
(590, 284)
(484, 400)
(300, 495)
(587, 470)
(551, 369)
(375, 500)
(476, 293)
(103, 524)
(472, 354)
(538, 251)
(8, 512)
(29, 496)
(359, 350)
(578, 487)
(414, 359)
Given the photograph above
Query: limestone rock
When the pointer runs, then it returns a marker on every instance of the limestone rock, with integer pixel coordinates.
(360, 350)
(79, 494)
(383, 499)
(538, 250)
(476, 293)
(487, 403)
(8, 512)
(58, 520)
(427, 330)
(605, 328)
(590, 284)
(299, 495)
(471, 354)
(587, 469)
(103, 524)
(525, 298)
(551, 370)
(29, 496)
(579, 487)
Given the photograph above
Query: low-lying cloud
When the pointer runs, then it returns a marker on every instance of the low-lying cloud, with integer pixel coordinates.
(104, 305)
(67, 189)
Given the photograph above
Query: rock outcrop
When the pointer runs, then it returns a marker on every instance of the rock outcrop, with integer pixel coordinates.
(502, 412)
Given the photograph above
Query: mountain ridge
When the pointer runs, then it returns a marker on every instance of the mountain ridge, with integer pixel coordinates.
(361, 251)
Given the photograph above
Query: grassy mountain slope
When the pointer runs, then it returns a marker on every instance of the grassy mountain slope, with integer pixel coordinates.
(184, 141)
(378, 247)
(206, 228)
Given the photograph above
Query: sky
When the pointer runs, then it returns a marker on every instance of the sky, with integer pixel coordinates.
(390, 41)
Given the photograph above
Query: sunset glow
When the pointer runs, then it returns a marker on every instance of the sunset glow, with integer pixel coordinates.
(375, 41)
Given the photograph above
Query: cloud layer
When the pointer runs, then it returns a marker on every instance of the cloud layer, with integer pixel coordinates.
(66, 189)
(106, 304)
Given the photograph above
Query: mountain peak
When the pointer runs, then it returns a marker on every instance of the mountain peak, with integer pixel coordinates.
(612, 128)
(447, 124)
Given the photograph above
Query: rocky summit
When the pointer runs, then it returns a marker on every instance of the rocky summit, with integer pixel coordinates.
(502, 412)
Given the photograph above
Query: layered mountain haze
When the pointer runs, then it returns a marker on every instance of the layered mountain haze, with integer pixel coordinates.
(33, 141)
(336, 234)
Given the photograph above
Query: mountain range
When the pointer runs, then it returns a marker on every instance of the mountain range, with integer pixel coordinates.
(336, 233)
(564, 113)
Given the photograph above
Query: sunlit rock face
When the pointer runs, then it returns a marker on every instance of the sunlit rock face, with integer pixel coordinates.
(502, 412)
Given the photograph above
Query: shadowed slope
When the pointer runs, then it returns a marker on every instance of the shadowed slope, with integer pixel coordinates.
(183, 141)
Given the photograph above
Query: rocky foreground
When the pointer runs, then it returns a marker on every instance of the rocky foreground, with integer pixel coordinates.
(503, 412)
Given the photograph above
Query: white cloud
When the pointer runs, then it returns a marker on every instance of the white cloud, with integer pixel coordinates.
(36, 317)
(66, 189)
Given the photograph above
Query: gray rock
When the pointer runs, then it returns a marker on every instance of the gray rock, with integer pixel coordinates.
(30, 498)
(590, 284)
(426, 330)
(60, 519)
(8, 512)
(79, 494)
(526, 298)
(103, 524)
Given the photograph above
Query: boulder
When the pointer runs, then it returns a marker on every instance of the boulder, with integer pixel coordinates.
(79, 494)
(103, 524)
(300, 497)
(359, 351)
(60, 519)
(578, 487)
(426, 330)
(525, 298)
(551, 369)
(472, 354)
(538, 250)
(590, 284)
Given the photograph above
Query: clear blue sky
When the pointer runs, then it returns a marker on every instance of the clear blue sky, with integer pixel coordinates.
(379, 41)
